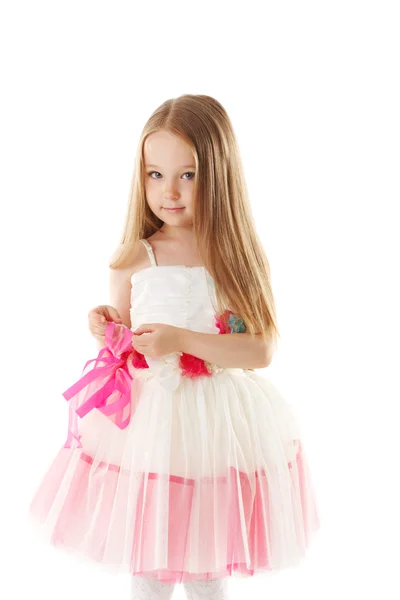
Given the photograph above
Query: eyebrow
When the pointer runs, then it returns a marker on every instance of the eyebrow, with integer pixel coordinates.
(182, 167)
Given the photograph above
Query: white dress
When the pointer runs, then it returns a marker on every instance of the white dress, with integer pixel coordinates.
(210, 477)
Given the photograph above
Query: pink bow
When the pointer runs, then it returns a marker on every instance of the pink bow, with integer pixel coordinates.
(106, 385)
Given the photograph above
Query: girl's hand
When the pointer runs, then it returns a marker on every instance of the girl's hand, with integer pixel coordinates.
(156, 339)
(98, 318)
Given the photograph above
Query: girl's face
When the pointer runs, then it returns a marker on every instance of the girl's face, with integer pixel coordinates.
(169, 174)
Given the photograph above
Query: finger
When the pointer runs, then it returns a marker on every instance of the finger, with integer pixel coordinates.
(94, 324)
(98, 318)
(99, 332)
(96, 315)
(110, 313)
(105, 313)
(114, 314)
(99, 327)
(140, 344)
(145, 328)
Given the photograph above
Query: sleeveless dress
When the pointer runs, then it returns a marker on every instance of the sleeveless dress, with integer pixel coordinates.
(208, 480)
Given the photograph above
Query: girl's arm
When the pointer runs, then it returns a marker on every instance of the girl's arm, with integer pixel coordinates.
(119, 294)
(237, 350)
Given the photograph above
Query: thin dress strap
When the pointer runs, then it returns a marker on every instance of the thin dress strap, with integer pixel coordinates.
(150, 252)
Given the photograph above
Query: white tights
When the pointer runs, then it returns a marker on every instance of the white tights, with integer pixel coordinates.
(143, 588)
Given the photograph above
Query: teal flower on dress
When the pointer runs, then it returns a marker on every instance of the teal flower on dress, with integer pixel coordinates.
(236, 324)
(227, 322)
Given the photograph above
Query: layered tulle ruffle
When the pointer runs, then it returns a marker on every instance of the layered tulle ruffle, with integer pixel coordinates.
(207, 478)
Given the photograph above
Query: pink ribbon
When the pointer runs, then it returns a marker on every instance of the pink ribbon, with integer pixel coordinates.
(105, 385)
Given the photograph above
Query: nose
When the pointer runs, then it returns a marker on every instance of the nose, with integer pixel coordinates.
(170, 193)
(170, 190)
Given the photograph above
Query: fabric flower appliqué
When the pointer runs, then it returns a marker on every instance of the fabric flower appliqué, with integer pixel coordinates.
(167, 371)
(228, 322)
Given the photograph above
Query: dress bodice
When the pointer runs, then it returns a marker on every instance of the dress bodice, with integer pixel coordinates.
(173, 294)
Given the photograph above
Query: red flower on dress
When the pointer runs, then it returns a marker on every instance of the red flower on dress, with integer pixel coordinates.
(221, 321)
(192, 366)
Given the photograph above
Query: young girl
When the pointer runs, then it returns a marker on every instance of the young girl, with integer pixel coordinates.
(191, 469)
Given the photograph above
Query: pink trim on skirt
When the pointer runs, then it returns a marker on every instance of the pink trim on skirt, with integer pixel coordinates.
(240, 501)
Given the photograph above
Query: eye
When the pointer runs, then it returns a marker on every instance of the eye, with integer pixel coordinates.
(187, 173)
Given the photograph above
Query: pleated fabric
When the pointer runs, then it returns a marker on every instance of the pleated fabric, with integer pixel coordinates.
(209, 479)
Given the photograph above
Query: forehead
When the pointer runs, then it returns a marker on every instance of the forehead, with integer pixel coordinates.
(165, 149)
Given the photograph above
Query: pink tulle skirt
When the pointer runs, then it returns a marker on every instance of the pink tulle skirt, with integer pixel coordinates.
(208, 479)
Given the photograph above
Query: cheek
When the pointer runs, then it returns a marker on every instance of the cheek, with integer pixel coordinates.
(154, 192)
(152, 196)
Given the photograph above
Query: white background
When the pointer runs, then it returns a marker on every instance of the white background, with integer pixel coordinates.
(312, 89)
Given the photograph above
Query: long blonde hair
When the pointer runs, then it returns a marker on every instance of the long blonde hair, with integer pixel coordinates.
(222, 221)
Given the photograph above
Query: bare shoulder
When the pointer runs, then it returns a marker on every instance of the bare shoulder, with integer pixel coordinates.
(138, 260)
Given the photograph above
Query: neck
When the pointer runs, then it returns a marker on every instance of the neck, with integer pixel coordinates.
(183, 233)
